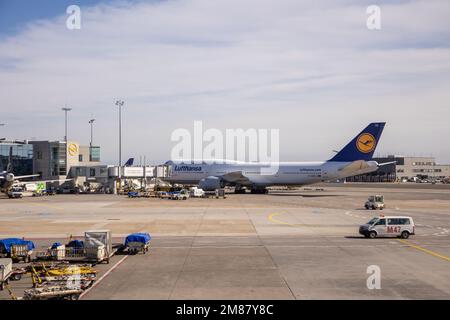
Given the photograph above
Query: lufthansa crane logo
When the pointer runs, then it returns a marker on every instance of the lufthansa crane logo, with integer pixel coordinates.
(366, 143)
(73, 149)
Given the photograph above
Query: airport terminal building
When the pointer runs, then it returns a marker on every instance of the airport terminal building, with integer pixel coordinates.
(53, 160)
(75, 165)
(405, 168)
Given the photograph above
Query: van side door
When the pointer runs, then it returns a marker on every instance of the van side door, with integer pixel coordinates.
(380, 227)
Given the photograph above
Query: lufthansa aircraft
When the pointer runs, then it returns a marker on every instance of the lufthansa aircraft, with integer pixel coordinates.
(354, 159)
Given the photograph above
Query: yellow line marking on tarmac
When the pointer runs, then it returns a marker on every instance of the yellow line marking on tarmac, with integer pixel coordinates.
(272, 219)
(424, 250)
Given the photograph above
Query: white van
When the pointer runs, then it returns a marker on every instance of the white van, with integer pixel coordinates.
(197, 192)
(388, 226)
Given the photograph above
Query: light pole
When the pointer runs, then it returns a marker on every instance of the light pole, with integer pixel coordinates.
(91, 122)
(2, 125)
(65, 109)
(120, 103)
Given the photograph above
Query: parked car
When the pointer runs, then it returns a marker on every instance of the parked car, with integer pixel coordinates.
(181, 195)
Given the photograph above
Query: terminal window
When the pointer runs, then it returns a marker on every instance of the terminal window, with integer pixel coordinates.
(94, 154)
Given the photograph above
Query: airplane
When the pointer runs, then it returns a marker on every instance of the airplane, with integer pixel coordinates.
(354, 159)
(8, 180)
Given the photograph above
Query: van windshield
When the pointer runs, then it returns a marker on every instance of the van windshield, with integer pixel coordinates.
(374, 220)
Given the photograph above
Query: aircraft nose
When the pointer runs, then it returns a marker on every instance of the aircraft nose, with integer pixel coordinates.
(9, 177)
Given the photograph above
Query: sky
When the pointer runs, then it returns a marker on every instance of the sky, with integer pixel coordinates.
(311, 69)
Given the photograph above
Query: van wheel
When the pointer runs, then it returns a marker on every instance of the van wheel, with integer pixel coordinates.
(367, 207)
(405, 235)
(372, 234)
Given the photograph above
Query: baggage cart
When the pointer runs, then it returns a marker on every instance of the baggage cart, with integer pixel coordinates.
(16, 249)
(137, 242)
(52, 292)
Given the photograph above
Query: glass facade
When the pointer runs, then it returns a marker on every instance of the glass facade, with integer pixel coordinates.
(22, 157)
(94, 154)
(58, 159)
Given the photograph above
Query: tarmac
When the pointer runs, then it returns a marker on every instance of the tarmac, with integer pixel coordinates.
(289, 244)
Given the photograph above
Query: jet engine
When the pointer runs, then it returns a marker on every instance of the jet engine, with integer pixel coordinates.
(9, 177)
(211, 183)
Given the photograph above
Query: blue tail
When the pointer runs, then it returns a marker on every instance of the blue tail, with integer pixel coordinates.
(363, 145)
(129, 162)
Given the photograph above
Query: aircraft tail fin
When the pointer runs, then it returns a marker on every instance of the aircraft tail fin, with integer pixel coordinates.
(129, 162)
(363, 146)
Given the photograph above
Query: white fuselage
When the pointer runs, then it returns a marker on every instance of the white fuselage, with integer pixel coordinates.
(284, 173)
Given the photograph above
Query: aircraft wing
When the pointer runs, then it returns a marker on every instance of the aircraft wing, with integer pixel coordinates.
(235, 177)
(27, 176)
(359, 167)
(387, 163)
(355, 166)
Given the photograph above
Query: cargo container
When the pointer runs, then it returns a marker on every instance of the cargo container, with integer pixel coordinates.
(5, 271)
(94, 239)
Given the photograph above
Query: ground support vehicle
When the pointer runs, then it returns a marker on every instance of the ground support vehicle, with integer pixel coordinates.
(218, 193)
(137, 242)
(52, 292)
(5, 271)
(81, 276)
(388, 226)
(375, 202)
(16, 249)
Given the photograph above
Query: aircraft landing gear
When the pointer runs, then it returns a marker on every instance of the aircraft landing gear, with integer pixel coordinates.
(239, 190)
(259, 191)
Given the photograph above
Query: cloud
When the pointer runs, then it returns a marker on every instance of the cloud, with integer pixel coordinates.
(311, 69)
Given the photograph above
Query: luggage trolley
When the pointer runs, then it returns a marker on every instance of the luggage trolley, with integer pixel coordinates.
(137, 242)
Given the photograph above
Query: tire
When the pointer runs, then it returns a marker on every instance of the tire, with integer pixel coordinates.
(374, 208)
(2, 286)
(367, 207)
(372, 234)
(404, 235)
(17, 277)
(74, 297)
